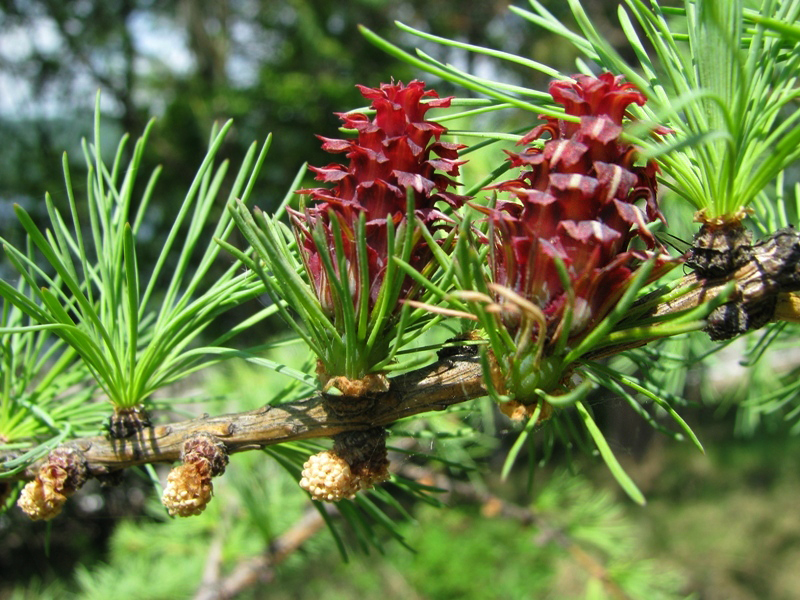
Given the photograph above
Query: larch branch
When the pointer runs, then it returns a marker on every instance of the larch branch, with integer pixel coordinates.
(763, 291)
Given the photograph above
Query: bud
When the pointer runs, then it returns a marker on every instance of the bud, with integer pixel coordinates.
(62, 474)
(189, 488)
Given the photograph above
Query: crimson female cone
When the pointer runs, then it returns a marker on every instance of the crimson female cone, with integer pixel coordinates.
(395, 151)
(581, 198)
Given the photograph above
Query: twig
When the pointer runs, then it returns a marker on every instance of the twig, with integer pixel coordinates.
(261, 569)
(212, 569)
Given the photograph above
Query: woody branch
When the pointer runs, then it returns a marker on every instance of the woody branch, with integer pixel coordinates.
(763, 292)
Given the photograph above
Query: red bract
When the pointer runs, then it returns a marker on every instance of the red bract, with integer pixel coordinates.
(577, 200)
(395, 151)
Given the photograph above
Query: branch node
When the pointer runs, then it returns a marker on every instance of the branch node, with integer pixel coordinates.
(771, 271)
(351, 398)
(127, 422)
(720, 248)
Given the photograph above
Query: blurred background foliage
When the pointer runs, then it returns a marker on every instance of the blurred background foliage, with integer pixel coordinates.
(271, 66)
(722, 525)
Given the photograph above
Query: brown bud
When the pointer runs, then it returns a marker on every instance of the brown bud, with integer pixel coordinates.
(62, 474)
(365, 452)
(206, 446)
(189, 488)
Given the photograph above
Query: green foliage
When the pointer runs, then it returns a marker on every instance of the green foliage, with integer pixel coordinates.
(130, 347)
(353, 342)
(87, 324)
(44, 394)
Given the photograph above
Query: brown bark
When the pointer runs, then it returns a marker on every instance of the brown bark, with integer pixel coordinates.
(432, 388)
